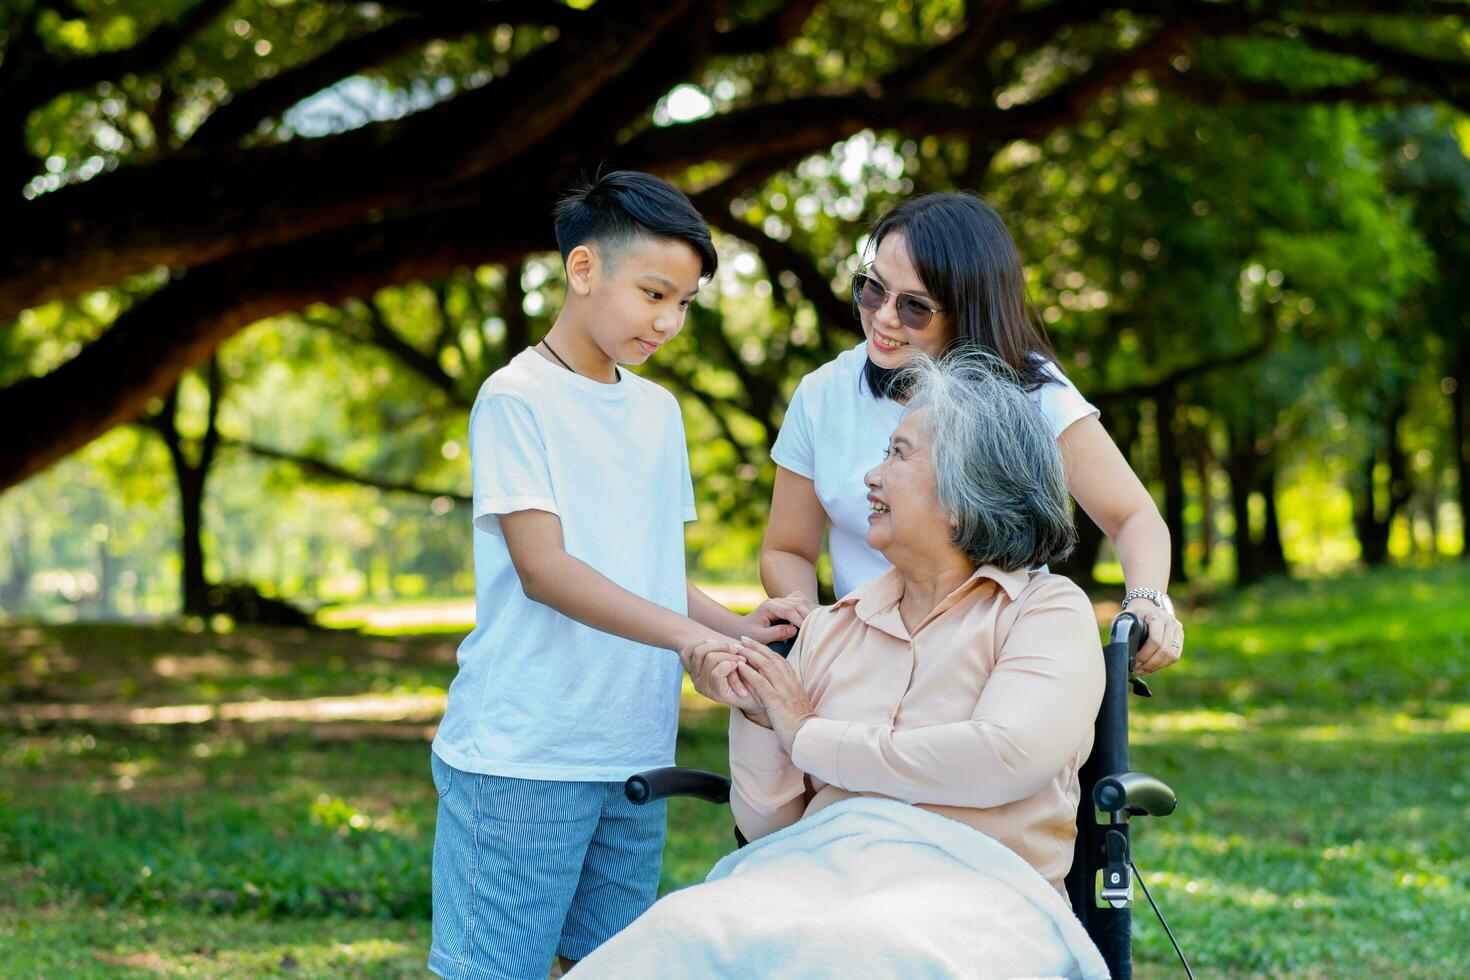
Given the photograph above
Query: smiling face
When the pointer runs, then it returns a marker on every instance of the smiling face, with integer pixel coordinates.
(890, 343)
(905, 521)
(639, 294)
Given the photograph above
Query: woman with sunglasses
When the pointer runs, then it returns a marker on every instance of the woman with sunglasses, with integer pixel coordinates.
(945, 274)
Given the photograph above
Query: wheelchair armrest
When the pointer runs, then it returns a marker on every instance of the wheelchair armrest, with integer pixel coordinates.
(1135, 793)
(658, 784)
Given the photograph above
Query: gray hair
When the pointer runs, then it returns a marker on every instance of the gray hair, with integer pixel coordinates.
(996, 463)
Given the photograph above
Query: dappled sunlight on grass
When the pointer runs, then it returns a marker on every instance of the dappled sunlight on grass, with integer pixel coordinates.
(1319, 763)
(1178, 886)
(1189, 721)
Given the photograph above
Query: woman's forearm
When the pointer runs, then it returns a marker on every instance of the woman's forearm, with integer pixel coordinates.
(1143, 550)
(784, 573)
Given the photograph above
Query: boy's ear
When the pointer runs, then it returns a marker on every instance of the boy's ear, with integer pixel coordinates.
(582, 265)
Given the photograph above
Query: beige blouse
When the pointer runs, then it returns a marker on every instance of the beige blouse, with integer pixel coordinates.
(982, 714)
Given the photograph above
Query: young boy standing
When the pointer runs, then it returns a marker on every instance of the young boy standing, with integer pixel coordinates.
(567, 684)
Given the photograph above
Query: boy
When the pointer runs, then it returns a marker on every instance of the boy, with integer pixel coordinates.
(567, 684)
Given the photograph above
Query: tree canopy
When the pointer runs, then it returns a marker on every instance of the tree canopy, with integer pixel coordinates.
(174, 169)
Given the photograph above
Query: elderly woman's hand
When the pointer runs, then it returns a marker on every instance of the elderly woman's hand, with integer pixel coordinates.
(774, 683)
(711, 665)
(1165, 637)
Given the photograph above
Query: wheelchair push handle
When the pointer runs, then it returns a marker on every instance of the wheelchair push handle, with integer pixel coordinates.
(1130, 631)
(658, 784)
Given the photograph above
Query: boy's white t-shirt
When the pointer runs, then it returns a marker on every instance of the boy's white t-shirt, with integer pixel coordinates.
(836, 430)
(539, 695)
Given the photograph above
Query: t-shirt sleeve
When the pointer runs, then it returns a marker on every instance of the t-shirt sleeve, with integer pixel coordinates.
(793, 448)
(508, 461)
(689, 510)
(1061, 403)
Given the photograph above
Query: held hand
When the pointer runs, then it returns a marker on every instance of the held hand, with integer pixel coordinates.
(774, 683)
(711, 665)
(1165, 638)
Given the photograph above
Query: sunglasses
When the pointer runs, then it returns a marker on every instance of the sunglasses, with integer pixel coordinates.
(914, 312)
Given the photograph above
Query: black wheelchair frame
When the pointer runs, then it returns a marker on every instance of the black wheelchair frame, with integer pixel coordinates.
(1100, 884)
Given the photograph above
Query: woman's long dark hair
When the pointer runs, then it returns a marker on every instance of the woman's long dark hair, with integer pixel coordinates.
(969, 264)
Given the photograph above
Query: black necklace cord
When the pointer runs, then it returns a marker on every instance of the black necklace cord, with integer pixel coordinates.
(616, 373)
(557, 356)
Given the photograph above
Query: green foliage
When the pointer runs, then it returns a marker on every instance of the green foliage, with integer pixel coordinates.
(1286, 272)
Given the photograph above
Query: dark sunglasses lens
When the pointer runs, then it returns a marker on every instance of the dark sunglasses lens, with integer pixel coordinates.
(913, 313)
(866, 292)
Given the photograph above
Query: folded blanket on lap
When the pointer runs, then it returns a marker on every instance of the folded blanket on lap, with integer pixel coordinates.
(864, 888)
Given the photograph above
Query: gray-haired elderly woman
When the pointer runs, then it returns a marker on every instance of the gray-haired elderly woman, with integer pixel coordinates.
(959, 685)
(959, 681)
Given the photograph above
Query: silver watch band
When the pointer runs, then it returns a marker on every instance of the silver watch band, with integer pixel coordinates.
(1159, 598)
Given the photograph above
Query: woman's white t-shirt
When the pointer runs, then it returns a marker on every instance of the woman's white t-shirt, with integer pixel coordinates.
(836, 430)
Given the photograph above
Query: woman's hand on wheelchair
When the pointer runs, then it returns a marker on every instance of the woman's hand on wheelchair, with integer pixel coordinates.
(1165, 642)
(712, 664)
(775, 685)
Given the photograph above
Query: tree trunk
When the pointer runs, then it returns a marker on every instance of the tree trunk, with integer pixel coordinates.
(193, 588)
(106, 579)
(13, 592)
(192, 475)
(1270, 555)
(513, 312)
(1171, 472)
(1202, 462)
(1460, 414)
(1372, 518)
(1241, 467)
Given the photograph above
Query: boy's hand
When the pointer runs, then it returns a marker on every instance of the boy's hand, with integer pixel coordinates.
(711, 665)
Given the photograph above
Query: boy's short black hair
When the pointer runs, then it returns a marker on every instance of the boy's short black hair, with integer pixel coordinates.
(614, 208)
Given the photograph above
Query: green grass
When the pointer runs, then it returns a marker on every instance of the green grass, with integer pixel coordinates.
(1318, 736)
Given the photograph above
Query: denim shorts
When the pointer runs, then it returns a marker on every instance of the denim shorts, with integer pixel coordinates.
(525, 869)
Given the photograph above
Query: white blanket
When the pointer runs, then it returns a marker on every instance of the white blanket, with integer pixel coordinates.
(865, 888)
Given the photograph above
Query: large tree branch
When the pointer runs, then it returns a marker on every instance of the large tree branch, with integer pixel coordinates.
(199, 207)
(771, 31)
(710, 403)
(970, 46)
(832, 312)
(148, 347)
(806, 124)
(1217, 91)
(205, 207)
(1172, 380)
(246, 110)
(1447, 78)
(372, 328)
(325, 470)
(46, 80)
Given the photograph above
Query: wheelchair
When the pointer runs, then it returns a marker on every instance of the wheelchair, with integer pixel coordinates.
(1100, 883)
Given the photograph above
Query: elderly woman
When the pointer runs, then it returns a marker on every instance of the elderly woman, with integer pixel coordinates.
(958, 682)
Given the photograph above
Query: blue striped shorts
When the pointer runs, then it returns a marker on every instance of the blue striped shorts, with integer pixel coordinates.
(525, 869)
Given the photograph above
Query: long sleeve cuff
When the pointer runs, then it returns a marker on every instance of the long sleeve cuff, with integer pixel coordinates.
(816, 748)
(755, 746)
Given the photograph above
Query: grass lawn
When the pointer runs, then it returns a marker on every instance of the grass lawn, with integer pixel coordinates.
(257, 803)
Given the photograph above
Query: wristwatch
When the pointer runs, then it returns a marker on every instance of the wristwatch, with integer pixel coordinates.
(1160, 599)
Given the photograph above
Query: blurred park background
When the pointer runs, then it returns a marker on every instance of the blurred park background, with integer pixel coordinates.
(257, 256)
